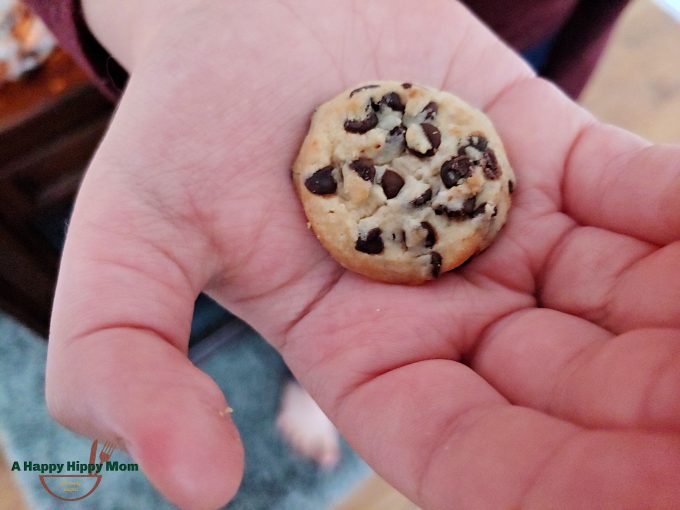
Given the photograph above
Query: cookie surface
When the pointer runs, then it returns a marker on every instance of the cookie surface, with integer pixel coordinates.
(402, 182)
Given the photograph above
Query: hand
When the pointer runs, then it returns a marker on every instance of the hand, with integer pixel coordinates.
(545, 373)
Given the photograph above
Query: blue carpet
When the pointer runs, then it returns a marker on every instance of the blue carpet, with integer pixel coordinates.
(245, 367)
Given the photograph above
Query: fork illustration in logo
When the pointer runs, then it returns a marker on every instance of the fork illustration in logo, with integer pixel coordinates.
(75, 487)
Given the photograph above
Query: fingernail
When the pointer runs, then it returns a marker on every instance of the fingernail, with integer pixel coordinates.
(227, 410)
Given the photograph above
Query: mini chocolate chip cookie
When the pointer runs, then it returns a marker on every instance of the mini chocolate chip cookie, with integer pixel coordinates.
(402, 182)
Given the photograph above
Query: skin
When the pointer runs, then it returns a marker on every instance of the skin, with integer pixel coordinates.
(543, 374)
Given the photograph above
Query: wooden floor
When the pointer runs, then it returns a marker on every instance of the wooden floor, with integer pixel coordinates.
(10, 496)
(636, 86)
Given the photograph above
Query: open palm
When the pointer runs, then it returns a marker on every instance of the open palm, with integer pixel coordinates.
(544, 373)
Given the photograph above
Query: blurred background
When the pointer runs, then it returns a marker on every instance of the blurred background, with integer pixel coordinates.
(52, 117)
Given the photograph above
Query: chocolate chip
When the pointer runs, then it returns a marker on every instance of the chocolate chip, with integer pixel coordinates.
(469, 205)
(479, 142)
(361, 125)
(479, 210)
(455, 169)
(364, 167)
(469, 210)
(391, 183)
(430, 110)
(365, 87)
(490, 165)
(407, 85)
(433, 136)
(396, 136)
(393, 101)
(511, 186)
(422, 199)
(476, 141)
(322, 182)
(436, 262)
(495, 211)
(399, 130)
(431, 238)
(456, 214)
(372, 243)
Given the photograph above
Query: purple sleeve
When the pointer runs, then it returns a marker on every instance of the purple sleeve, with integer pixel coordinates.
(581, 28)
(65, 19)
(580, 44)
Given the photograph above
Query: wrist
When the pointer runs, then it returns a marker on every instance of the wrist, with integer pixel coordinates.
(126, 28)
